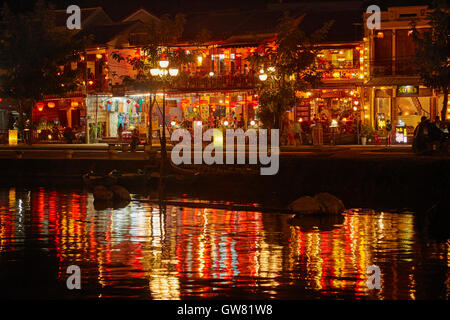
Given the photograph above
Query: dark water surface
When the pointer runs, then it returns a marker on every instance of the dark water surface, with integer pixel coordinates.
(147, 252)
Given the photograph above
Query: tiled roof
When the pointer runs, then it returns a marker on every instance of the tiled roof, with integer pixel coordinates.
(393, 81)
(105, 33)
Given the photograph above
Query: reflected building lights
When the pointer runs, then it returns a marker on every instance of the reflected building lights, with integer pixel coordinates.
(182, 251)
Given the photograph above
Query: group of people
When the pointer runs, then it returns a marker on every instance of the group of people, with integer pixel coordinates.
(428, 133)
(292, 133)
(236, 122)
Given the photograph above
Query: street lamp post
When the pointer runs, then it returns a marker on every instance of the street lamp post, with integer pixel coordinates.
(165, 74)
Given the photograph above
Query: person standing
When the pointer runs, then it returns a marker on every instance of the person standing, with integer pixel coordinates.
(120, 131)
(388, 132)
(297, 134)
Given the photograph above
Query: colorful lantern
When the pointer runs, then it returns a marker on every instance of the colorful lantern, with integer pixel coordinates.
(51, 105)
(40, 106)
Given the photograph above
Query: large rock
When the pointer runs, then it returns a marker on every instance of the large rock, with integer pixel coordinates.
(305, 205)
(102, 193)
(120, 193)
(329, 204)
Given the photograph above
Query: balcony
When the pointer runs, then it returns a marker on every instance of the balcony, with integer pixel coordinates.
(402, 67)
(221, 82)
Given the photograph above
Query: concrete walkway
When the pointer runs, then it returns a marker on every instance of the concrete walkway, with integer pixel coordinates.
(100, 151)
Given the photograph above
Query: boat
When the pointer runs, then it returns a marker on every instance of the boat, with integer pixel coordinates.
(91, 179)
(140, 178)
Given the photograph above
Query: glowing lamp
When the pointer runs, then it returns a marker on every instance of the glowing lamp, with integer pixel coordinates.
(12, 137)
(218, 138)
(252, 122)
(211, 74)
(154, 72)
(90, 82)
(40, 106)
(300, 120)
(173, 72)
(51, 105)
(173, 123)
(226, 123)
(74, 104)
(263, 77)
(99, 56)
(163, 64)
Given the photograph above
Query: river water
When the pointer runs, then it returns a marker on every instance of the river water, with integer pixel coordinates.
(145, 251)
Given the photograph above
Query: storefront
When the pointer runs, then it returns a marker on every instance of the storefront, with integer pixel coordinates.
(343, 106)
(213, 109)
(53, 116)
(403, 105)
(107, 113)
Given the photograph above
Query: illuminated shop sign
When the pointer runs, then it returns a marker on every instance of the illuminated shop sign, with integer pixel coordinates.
(407, 90)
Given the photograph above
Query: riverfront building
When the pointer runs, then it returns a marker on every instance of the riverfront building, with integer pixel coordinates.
(368, 75)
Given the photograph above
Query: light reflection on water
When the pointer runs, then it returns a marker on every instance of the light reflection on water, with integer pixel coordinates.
(144, 251)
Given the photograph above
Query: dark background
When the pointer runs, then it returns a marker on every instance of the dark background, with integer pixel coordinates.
(118, 9)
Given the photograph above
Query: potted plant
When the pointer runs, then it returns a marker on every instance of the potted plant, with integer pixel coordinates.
(366, 133)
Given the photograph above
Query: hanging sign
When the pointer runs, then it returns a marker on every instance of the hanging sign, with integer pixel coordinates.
(407, 90)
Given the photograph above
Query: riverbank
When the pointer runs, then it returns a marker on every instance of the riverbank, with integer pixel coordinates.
(373, 181)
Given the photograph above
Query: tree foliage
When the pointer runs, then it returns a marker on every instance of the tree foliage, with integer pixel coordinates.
(289, 62)
(35, 57)
(432, 52)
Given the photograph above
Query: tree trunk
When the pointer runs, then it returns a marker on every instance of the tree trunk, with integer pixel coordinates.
(445, 105)
(31, 122)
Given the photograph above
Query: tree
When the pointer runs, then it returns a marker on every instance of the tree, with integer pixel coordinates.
(161, 35)
(289, 63)
(432, 51)
(35, 58)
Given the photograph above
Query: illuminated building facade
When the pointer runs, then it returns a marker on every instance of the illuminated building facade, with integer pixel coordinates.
(393, 88)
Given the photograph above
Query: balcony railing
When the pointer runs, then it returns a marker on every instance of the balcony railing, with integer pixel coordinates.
(402, 67)
(216, 82)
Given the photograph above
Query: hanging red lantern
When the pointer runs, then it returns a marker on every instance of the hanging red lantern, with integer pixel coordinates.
(40, 106)
(128, 101)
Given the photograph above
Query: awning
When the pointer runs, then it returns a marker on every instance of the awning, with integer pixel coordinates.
(393, 81)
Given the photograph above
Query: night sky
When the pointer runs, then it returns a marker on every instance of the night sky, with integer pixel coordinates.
(120, 9)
